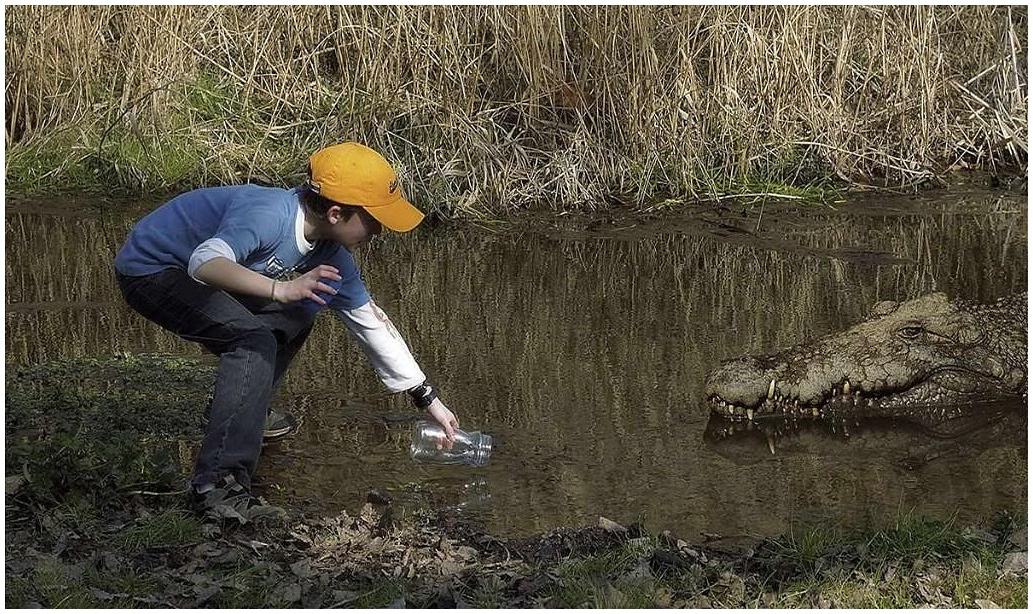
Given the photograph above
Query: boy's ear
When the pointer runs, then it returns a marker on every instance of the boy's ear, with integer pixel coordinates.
(333, 214)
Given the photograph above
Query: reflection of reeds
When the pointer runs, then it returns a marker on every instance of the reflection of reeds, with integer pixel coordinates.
(583, 349)
(491, 108)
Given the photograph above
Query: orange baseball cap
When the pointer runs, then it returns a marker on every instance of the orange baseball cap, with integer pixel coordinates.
(353, 174)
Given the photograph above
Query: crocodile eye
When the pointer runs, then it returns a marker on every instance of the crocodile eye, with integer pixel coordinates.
(911, 332)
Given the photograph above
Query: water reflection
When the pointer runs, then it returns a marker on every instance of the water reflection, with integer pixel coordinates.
(583, 351)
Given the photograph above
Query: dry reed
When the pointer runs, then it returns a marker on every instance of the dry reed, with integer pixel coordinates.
(490, 109)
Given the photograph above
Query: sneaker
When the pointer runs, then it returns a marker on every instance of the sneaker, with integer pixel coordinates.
(228, 499)
(278, 425)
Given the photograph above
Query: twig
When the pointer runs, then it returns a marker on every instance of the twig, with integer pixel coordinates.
(150, 493)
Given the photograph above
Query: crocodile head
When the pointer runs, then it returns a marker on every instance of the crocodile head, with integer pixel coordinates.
(927, 352)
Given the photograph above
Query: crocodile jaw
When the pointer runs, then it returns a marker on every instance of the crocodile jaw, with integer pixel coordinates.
(936, 390)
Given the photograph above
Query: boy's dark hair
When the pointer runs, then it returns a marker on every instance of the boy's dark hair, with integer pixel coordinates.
(319, 204)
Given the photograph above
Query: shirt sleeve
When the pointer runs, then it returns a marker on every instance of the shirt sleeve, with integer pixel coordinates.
(351, 291)
(212, 248)
(383, 346)
(247, 226)
(369, 325)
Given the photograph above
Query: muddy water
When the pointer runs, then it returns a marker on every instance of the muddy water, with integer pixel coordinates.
(581, 345)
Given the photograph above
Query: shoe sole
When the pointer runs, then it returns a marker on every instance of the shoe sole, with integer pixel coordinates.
(280, 433)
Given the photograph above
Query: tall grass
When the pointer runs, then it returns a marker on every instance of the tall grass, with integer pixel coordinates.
(489, 109)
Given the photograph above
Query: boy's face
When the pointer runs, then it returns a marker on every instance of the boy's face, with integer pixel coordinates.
(356, 230)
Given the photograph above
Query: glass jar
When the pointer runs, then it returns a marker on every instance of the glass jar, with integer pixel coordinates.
(430, 445)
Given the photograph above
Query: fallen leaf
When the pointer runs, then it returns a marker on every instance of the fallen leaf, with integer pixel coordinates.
(609, 525)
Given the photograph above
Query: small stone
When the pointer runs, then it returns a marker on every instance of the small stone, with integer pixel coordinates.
(291, 593)
(1019, 538)
(302, 568)
(979, 534)
(1015, 562)
(13, 483)
(342, 597)
(640, 573)
(378, 497)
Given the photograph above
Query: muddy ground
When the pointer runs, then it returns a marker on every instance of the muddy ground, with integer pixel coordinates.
(97, 453)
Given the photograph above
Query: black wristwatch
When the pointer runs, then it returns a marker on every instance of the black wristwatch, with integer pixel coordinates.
(423, 395)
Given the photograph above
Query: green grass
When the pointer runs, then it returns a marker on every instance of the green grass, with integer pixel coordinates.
(169, 528)
(61, 428)
(380, 594)
(846, 591)
(601, 581)
(61, 586)
(891, 563)
(804, 548)
(244, 586)
(979, 578)
(818, 192)
(19, 592)
(915, 536)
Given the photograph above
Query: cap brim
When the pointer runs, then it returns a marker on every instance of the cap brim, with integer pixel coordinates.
(399, 216)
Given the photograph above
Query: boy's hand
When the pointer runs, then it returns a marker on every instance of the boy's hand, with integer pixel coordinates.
(443, 416)
(306, 286)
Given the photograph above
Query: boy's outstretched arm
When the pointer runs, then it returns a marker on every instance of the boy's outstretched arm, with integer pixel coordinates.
(394, 363)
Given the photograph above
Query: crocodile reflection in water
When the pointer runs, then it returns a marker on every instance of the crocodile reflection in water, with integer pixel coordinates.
(909, 441)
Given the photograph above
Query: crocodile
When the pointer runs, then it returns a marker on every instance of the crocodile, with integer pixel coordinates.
(909, 359)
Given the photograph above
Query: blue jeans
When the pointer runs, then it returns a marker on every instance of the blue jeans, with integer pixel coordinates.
(255, 340)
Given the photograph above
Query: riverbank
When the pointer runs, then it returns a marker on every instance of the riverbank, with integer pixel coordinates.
(89, 524)
(489, 110)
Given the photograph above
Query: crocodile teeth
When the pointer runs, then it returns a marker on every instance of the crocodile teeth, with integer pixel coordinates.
(771, 443)
(771, 389)
(846, 387)
(749, 413)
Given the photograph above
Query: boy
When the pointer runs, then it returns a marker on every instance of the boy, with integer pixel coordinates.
(211, 265)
